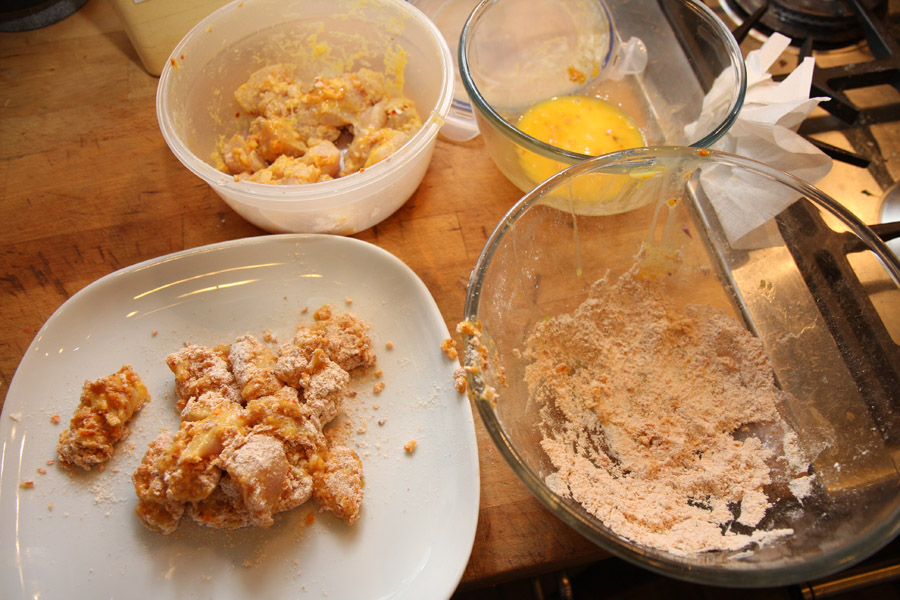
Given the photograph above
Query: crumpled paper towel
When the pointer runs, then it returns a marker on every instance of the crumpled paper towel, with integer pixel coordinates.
(765, 130)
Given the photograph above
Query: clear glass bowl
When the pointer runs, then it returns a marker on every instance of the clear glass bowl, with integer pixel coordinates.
(815, 285)
(655, 61)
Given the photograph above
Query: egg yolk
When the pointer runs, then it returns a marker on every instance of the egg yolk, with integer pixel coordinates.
(579, 124)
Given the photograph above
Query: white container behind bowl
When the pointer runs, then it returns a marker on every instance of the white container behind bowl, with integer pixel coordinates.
(196, 106)
(155, 26)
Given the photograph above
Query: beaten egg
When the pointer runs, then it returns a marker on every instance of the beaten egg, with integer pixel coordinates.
(589, 126)
(581, 124)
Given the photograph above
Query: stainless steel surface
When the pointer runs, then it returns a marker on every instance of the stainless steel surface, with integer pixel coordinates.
(890, 212)
(867, 185)
(874, 136)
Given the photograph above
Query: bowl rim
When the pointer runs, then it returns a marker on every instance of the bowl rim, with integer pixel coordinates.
(485, 110)
(288, 196)
(595, 531)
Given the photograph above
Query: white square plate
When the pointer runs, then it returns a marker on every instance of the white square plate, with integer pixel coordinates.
(75, 536)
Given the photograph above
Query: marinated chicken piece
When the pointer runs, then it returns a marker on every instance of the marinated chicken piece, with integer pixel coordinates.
(355, 92)
(401, 115)
(338, 483)
(320, 163)
(374, 117)
(325, 156)
(287, 170)
(293, 138)
(241, 156)
(387, 141)
(99, 423)
(370, 147)
(276, 137)
(199, 369)
(380, 131)
(269, 91)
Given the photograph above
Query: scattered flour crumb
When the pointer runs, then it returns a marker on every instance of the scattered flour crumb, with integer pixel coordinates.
(801, 487)
(448, 347)
(459, 380)
(102, 494)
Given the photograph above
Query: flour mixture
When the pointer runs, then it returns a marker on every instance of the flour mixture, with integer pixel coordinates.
(660, 422)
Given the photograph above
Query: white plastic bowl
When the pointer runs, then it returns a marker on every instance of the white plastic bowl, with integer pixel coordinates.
(196, 107)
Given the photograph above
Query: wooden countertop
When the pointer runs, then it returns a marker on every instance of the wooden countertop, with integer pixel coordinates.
(89, 186)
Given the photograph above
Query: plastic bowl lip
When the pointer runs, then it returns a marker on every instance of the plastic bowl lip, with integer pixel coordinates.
(593, 530)
(567, 156)
(277, 196)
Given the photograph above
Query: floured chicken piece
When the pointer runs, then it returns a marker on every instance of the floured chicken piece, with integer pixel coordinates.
(251, 442)
(252, 363)
(199, 369)
(338, 483)
(319, 359)
(99, 422)
(316, 131)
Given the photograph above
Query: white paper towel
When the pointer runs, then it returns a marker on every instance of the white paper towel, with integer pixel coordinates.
(765, 130)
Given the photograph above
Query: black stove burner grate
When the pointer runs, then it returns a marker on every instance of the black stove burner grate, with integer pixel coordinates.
(883, 69)
(828, 24)
(809, 24)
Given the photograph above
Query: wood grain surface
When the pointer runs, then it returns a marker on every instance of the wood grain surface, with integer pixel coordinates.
(88, 186)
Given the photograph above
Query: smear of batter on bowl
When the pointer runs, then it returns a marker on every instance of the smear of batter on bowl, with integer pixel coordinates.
(307, 132)
(662, 422)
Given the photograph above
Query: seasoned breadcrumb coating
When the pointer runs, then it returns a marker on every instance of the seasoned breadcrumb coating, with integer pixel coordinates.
(99, 422)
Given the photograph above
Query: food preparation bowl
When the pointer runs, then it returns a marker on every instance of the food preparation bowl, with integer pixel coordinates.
(814, 285)
(196, 106)
(654, 61)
